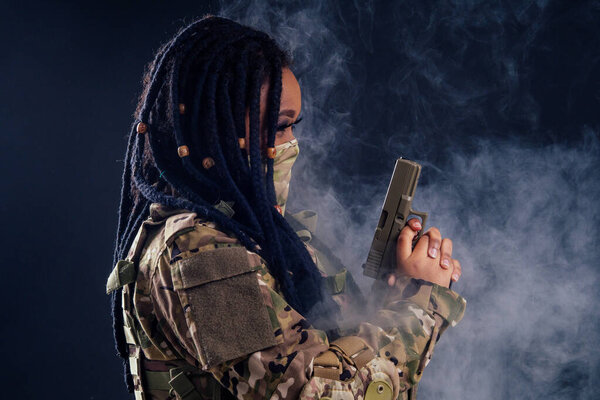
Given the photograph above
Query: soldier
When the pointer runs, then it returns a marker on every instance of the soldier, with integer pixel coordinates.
(215, 293)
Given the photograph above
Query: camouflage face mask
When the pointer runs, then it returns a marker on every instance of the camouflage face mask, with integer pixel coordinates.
(285, 156)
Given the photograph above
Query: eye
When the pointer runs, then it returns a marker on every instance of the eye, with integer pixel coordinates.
(283, 127)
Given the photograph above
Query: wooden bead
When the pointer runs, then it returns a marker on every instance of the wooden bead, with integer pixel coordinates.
(242, 143)
(208, 163)
(141, 127)
(183, 151)
(181, 108)
(271, 152)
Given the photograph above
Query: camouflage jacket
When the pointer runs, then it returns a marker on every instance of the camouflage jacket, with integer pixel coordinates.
(203, 303)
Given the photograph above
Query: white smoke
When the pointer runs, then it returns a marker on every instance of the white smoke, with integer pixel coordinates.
(525, 226)
(523, 218)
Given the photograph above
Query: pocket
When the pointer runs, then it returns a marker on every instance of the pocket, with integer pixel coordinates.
(225, 308)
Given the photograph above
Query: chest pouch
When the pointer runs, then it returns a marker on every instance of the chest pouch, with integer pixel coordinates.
(224, 306)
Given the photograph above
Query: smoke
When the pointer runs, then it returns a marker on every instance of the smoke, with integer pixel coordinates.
(525, 223)
(498, 101)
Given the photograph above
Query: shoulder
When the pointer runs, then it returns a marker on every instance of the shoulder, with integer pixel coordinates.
(189, 240)
(186, 234)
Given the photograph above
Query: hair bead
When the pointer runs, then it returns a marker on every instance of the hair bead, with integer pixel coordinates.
(208, 163)
(141, 128)
(183, 151)
(271, 152)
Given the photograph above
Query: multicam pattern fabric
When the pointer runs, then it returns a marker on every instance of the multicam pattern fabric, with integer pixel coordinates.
(356, 387)
(400, 333)
(285, 157)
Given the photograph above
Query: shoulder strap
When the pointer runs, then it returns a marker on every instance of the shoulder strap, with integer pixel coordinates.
(305, 223)
(178, 224)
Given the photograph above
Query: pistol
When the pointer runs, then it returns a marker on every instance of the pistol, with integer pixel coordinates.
(397, 208)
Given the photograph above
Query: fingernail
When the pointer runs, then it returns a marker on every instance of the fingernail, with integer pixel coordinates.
(418, 225)
(391, 280)
(445, 263)
(455, 277)
(433, 252)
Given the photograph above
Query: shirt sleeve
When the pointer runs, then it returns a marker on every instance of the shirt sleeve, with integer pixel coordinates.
(281, 367)
(406, 330)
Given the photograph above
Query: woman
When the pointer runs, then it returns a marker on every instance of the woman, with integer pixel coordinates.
(220, 296)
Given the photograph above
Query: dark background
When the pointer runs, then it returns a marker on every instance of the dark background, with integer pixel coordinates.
(521, 72)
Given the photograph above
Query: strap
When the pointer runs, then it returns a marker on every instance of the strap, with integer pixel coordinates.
(303, 223)
(337, 283)
(135, 369)
(412, 392)
(354, 349)
(176, 380)
(134, 361)
(304, 235)
(129, 335)
(157, 380)
(226, 207)
(181, 384)
(327, 365)
(307, 219)
(122, 274)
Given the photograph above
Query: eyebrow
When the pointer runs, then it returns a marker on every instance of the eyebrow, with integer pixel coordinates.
(287, 113)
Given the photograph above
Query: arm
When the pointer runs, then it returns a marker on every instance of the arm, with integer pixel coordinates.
(281, 365)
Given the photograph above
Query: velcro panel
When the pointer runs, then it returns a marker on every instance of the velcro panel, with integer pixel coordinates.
(226, 304)
(214, 265)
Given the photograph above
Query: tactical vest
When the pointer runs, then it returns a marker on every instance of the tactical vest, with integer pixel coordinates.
(157, 379)
(177, 379)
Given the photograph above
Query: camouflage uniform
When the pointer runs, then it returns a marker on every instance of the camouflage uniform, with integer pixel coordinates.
(203, 315)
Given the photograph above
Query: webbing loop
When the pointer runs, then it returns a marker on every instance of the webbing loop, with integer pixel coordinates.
(122, 274)
(353, 349)
(180, 384)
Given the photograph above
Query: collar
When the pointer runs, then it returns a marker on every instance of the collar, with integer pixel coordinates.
(160, 212)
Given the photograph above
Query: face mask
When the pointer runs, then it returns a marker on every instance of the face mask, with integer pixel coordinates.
(285, 156)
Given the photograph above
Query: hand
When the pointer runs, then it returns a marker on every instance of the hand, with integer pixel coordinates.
(431, 259)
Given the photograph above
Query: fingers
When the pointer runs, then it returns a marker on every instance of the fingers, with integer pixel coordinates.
(422, 246)
(391, 280)
(415, 224)
(457, 271)
(435, 242)
(408, 233)
(446, 257)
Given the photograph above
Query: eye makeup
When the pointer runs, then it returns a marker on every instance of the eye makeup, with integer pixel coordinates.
(290, 125)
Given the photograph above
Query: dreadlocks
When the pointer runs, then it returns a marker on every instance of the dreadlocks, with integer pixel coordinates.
(196, 95)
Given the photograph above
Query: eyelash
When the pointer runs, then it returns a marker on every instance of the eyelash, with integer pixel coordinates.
(282, 128)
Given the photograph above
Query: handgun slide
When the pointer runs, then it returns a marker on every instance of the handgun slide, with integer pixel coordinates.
(397, 208)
